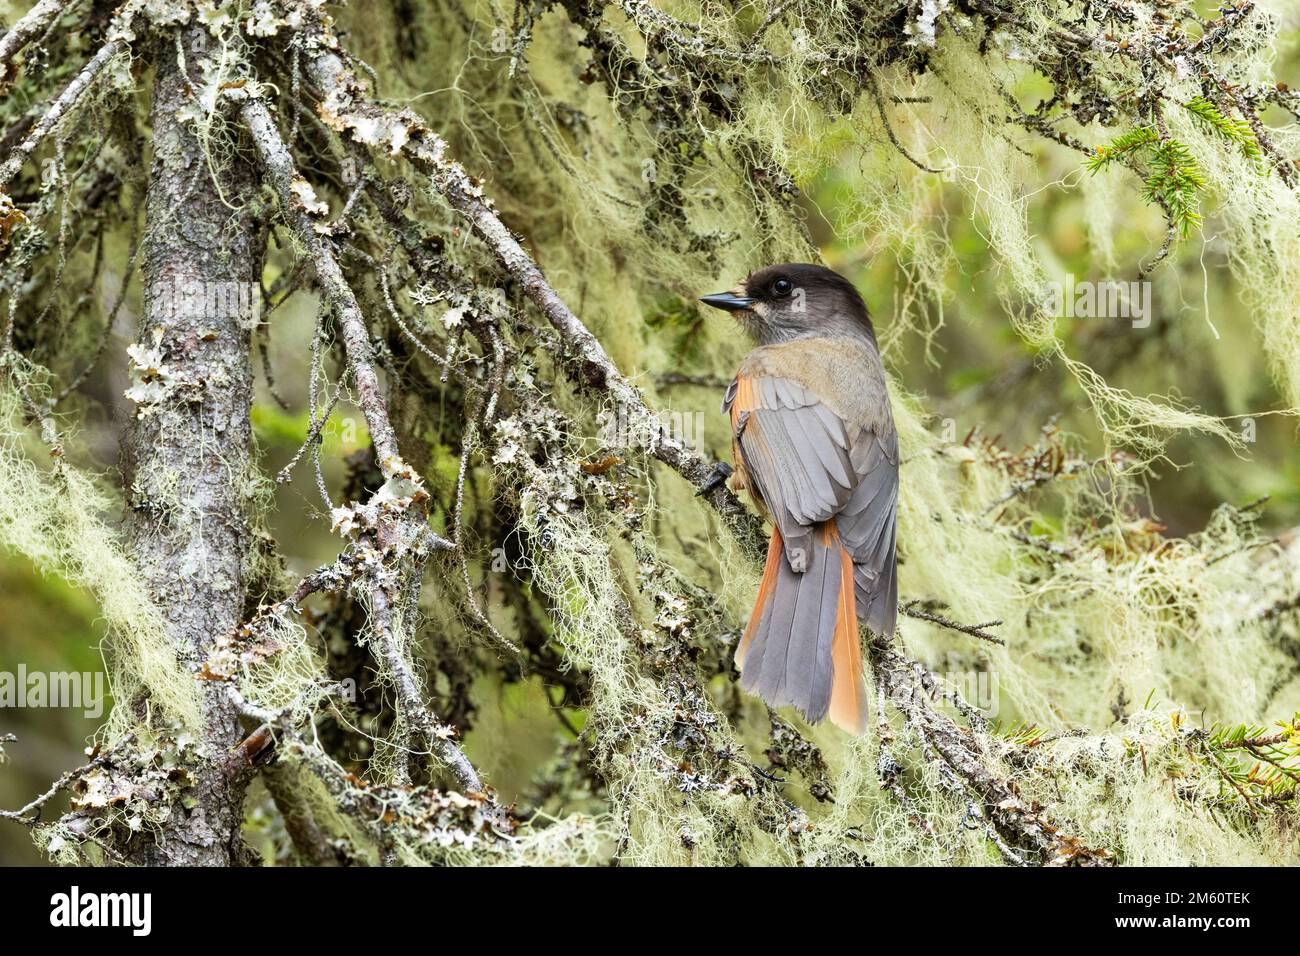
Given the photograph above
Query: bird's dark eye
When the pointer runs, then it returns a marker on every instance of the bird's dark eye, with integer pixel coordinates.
(782, 286)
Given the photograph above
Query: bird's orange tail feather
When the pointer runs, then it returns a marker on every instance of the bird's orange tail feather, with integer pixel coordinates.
(804, 630)
(764, 593)
(848, 703)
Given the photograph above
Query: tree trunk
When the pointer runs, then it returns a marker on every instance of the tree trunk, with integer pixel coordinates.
(188, 441)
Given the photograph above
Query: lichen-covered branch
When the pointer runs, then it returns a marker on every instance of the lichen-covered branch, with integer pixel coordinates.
(347, 108)
(188, 431)
(519, 587)
(32, 24)
(58, 109)
(911, 687)
(300, 207)
(297, 205)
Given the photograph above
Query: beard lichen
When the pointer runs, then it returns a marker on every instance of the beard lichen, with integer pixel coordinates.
(55, 516)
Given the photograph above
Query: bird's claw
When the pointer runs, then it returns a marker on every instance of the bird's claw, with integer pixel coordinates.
(721, 472)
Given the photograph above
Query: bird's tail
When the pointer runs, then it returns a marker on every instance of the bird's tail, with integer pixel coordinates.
(801, 645)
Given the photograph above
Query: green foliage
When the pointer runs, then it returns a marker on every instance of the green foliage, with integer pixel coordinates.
(1260, 765)
(1234, 130)
(1134, 143)
(1174, 181)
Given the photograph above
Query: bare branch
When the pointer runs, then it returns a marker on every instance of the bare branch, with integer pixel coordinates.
(917, 608)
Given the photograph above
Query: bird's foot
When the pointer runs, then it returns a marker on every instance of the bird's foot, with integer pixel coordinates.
(721, 472)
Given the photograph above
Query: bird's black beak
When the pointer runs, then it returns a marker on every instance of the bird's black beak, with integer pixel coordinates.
(728, 301)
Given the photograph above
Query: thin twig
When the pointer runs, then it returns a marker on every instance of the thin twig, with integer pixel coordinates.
(915, 608)
(35, 805)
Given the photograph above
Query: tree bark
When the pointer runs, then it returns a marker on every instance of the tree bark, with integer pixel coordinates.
(187, 443)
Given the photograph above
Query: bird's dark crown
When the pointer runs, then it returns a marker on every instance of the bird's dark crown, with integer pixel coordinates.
(814, 280)
(796, 300)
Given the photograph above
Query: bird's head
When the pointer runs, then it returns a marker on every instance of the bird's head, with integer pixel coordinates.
(796, 300)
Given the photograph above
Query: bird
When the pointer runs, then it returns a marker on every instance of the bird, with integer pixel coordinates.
(814, 444)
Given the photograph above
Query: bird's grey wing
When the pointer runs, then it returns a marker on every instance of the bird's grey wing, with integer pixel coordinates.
(809, 466)
(867, 527)
(796, 455)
